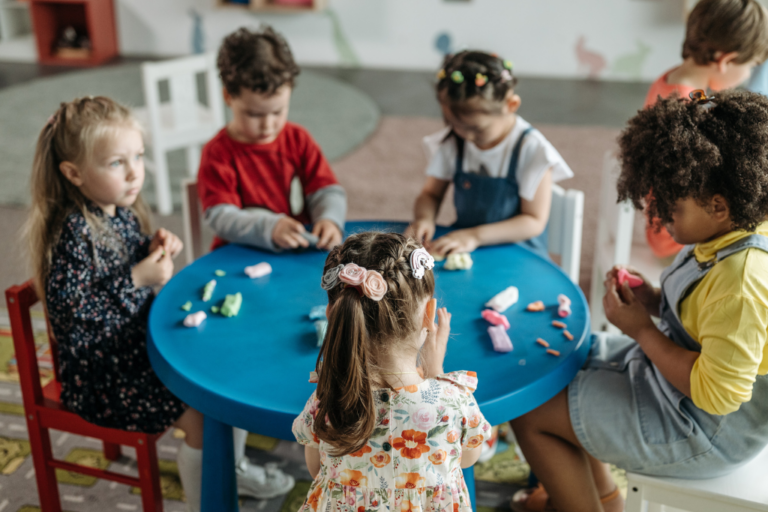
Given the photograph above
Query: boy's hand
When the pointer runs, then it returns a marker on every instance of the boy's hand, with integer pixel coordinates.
(422, 230)
(155, 269)
(624, 310)
(462, 240)
(645, 293)
(328, 233)
(436, 344)
(287, 234)
(168, 241)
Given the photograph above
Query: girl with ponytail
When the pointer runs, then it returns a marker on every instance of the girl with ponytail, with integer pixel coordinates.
(382, 432)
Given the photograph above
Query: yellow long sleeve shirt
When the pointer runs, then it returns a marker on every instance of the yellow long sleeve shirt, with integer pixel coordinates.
(727, 313)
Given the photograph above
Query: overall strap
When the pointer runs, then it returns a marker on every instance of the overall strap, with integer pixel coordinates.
(459, 153)
(512, 170)
(752, 241)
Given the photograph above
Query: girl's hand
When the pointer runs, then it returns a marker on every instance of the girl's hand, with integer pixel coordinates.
(328, 232)
(436, 344)
(462, 240)
(287, 234)
(168, 241)
(648, 296)
(624, 310)
(422, 230)
(155, 269)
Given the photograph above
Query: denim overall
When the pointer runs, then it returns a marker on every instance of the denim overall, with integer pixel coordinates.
(624, 410)
(484, 200)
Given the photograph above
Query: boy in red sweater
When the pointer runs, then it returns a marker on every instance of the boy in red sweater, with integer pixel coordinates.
(246, 170)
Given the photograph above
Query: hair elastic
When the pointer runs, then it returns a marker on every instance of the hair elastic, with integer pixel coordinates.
(481, 79)
(457, 76)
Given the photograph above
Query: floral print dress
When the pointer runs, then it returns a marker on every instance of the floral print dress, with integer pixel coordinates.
(411, 462)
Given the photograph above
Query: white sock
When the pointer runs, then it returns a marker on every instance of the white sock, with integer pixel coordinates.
(190, 463)
(239, 435)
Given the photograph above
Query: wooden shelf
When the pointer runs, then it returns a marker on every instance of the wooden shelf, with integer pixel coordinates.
(95, 18)
(275, 6)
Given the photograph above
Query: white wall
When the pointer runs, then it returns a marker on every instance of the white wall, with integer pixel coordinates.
(539, 36)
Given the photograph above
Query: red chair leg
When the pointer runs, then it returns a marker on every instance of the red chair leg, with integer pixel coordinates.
(149, 475)
(112, 451)
(47, 486)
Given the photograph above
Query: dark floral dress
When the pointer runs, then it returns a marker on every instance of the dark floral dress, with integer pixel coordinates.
(99, 319)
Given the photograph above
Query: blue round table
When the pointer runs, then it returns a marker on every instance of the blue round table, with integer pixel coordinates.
(252, 370)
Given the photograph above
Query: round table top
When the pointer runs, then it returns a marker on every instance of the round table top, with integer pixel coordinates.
(252, 370)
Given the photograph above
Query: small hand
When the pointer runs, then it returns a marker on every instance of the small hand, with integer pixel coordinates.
(436, 344)
(624, 310)
(328, 232)
(168, 241)
(287, 234)
(155, 269)
(645, 293)
(421, 230)
(462, 240)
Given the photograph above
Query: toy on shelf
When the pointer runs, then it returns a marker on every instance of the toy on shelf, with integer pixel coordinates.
(504, 299)
(500, 338)
(536, 306)
(320, 327)
(258, 270)
(208, 290)
(317, 312)
(194, 319)
(495, 318)
(231, 306)
(461, 261)
(564, 309)
(624, 276)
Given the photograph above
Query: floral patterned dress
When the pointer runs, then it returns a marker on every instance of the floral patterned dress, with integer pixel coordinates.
(411, 462)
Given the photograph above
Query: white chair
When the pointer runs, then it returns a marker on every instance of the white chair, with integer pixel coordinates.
(614, 244)
(566, 218)
(185, 121)
(744, 490)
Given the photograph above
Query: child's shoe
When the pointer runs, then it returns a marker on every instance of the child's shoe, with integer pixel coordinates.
(262, 483)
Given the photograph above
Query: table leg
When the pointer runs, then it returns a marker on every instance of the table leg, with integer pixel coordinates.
(219, 484)
(469, 479)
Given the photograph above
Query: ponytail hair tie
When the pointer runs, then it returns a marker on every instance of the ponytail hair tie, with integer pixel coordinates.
(481, 79)
(457, 77)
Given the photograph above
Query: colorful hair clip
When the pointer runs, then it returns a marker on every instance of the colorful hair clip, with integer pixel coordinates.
(421, 260)
(700, 97)
(505, 75)
(441, 74)
(457, 76)
(480, 79)
(508, 64)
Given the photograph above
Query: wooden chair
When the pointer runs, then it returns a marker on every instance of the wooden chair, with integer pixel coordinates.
(43, 411)
(566, 218)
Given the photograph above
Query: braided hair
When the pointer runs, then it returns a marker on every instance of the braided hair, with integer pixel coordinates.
(470, 74)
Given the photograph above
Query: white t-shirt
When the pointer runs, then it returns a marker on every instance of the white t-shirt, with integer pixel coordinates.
(537, 155)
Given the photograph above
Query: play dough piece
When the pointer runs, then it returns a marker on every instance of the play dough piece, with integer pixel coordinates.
(258, 270)
(542, 342)
(558, 324)
(461, 261)
(495, 318)
(208, 290)
(625, 277)
(438, 257)
(309, 237)
(220, 273)
(535, 306)
(500, 338)
(320, 327)
(565, 305)
(568, 335)
(553, 352)
(503, 300)
(194, 319)
(317, 312)
(215, 309)
(231, 306)
(187, 306)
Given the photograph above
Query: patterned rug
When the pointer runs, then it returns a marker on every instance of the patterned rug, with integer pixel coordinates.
(498, 479)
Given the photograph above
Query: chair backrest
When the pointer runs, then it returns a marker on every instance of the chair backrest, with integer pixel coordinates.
(616, 220)
(191, 211)
(20, 299)
(566, 218)
(186, 118)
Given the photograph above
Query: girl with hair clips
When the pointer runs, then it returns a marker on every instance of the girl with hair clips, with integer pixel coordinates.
(687, 397)
(501, 168)
(381, 433)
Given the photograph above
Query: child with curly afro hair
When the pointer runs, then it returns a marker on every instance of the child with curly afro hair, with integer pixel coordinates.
(687, 397)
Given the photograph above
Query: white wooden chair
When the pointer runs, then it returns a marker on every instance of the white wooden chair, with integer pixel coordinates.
(566, 218)
(744, 490)
(614, 244)
(185, 121)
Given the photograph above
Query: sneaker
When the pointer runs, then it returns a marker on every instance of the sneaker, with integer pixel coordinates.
(261, 483)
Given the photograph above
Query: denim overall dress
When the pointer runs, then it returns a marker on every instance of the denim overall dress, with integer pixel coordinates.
(484, 200)
(625, 412)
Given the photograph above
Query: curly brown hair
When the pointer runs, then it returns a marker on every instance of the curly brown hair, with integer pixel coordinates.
(259, 61)
(469, 64)
(681, 149)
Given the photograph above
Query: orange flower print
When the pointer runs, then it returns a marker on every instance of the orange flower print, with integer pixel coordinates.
(361, 509)
(474, 420)
(362, 451)
(411, 389)
(314, 498)
(474, 441)
(354, 478)
(412, 445)
(407, 506)
(409, 481)
(438, 457)
(455, 507)
(380, 459)
(453, 436)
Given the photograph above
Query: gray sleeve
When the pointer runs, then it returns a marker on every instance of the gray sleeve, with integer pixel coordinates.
(253, 226)
(328, 203)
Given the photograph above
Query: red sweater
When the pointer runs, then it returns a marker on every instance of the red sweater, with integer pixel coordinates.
(260, 175)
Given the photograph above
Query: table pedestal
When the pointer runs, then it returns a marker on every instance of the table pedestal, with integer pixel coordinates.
(219, 483)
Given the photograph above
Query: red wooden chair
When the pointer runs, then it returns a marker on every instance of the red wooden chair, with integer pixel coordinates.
(44, 411)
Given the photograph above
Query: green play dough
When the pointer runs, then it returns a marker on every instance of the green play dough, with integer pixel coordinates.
(220, 273)
(232, 303)
(187, 306)
(208, 290)
(214, 309)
